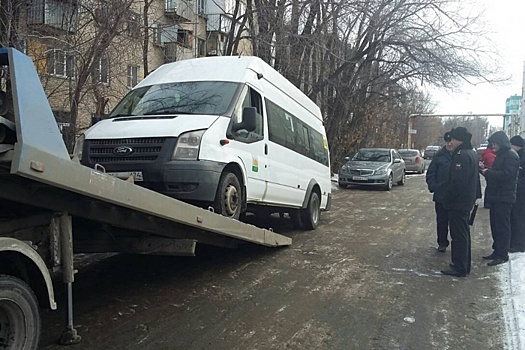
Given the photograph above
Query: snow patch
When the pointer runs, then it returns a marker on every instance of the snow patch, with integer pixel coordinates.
(512, 278)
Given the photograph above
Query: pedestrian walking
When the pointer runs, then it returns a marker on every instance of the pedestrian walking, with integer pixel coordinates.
(517, 215)
(437, 179)
(463, 188)
(502, 181)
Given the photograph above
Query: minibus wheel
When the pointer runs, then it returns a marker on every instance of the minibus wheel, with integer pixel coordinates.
(311, 214)
(228, 199)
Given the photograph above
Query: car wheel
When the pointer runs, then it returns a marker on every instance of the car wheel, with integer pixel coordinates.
(19, 315)
(403, 180)
(389, 183)
(311, 215)
(342, 185)
(228, 199)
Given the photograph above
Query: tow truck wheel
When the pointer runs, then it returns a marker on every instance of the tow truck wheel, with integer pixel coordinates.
(19, 315)
(311, 215)
(228, 200)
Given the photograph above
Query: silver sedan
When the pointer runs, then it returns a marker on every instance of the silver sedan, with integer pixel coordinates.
(381, 167)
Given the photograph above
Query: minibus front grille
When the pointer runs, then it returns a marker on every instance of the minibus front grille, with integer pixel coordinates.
(125, 151)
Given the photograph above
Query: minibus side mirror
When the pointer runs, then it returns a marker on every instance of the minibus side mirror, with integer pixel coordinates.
(249, 117)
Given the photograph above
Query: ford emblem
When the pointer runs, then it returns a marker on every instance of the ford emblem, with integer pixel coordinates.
(123, 151)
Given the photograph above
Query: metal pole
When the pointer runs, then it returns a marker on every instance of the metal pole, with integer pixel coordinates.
(409, 137)
(69, 335)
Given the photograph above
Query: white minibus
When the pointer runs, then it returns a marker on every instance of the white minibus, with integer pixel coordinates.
(229, 133)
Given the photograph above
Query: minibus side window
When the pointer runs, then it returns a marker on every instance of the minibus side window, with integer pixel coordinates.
(289, 131)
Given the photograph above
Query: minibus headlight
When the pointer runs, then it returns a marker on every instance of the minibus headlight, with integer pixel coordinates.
(188, 145)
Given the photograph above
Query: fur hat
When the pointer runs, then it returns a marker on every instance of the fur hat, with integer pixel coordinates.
(517, 141)
(461, 134)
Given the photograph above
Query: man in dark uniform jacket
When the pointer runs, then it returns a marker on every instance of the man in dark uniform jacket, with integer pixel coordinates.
(462, 191)
(437, 179)
(502, 180)
(517, 217)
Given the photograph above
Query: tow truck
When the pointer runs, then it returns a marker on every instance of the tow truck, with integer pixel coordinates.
(52, 207)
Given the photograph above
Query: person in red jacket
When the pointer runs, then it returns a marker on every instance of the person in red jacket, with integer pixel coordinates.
(487, 159)
(487, 156)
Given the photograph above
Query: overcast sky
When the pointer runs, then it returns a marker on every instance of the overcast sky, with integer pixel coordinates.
(506, 19)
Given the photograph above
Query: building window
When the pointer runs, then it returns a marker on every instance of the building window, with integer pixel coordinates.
(201, 7)
(60, 63)
(164, 33)
(133, 76)
(102, 70)
(201, 48)
(184, 37)
(54, 13)
(157, 34)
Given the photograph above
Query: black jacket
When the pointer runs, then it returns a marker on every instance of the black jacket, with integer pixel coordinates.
(521, 176)
(437, 174)
(463, 186)
(502, 178)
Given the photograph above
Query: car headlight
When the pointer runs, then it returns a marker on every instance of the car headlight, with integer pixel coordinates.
(380, 172)
(344, 168)
(79, 146)
(188, 145)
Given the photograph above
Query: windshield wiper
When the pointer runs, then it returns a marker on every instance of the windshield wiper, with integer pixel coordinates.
(161, 112)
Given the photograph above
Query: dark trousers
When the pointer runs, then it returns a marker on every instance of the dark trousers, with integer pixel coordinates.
(442, 224)
(517, 225)
(460, 235)
(500, 227)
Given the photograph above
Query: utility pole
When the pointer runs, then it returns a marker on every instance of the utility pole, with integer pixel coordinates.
(411, 118)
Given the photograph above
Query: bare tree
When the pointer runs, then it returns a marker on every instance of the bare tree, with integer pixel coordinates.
(352, 56)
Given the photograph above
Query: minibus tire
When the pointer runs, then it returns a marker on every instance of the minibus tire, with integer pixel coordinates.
(311, 214)
(229, 188)
(19, 314)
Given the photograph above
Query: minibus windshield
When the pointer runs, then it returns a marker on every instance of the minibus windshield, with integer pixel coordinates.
(196, 97)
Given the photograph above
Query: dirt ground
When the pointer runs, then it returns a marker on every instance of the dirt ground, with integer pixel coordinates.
(367, 278)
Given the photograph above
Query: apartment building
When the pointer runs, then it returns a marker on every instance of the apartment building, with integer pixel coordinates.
(89, 53)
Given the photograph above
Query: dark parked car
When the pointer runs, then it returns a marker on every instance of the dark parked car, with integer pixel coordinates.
(380, 167)
(413, 160)
(430, 151)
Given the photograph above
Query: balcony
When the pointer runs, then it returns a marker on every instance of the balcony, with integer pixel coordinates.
(219, 22)
(53, 14)
(179, 10)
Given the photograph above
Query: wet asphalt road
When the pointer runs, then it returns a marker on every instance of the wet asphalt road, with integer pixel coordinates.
(367, 278)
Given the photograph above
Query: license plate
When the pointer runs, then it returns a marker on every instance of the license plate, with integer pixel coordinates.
(137, 175)
(362, 178)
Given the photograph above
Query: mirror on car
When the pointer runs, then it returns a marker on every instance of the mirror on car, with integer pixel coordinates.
(249, 120)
